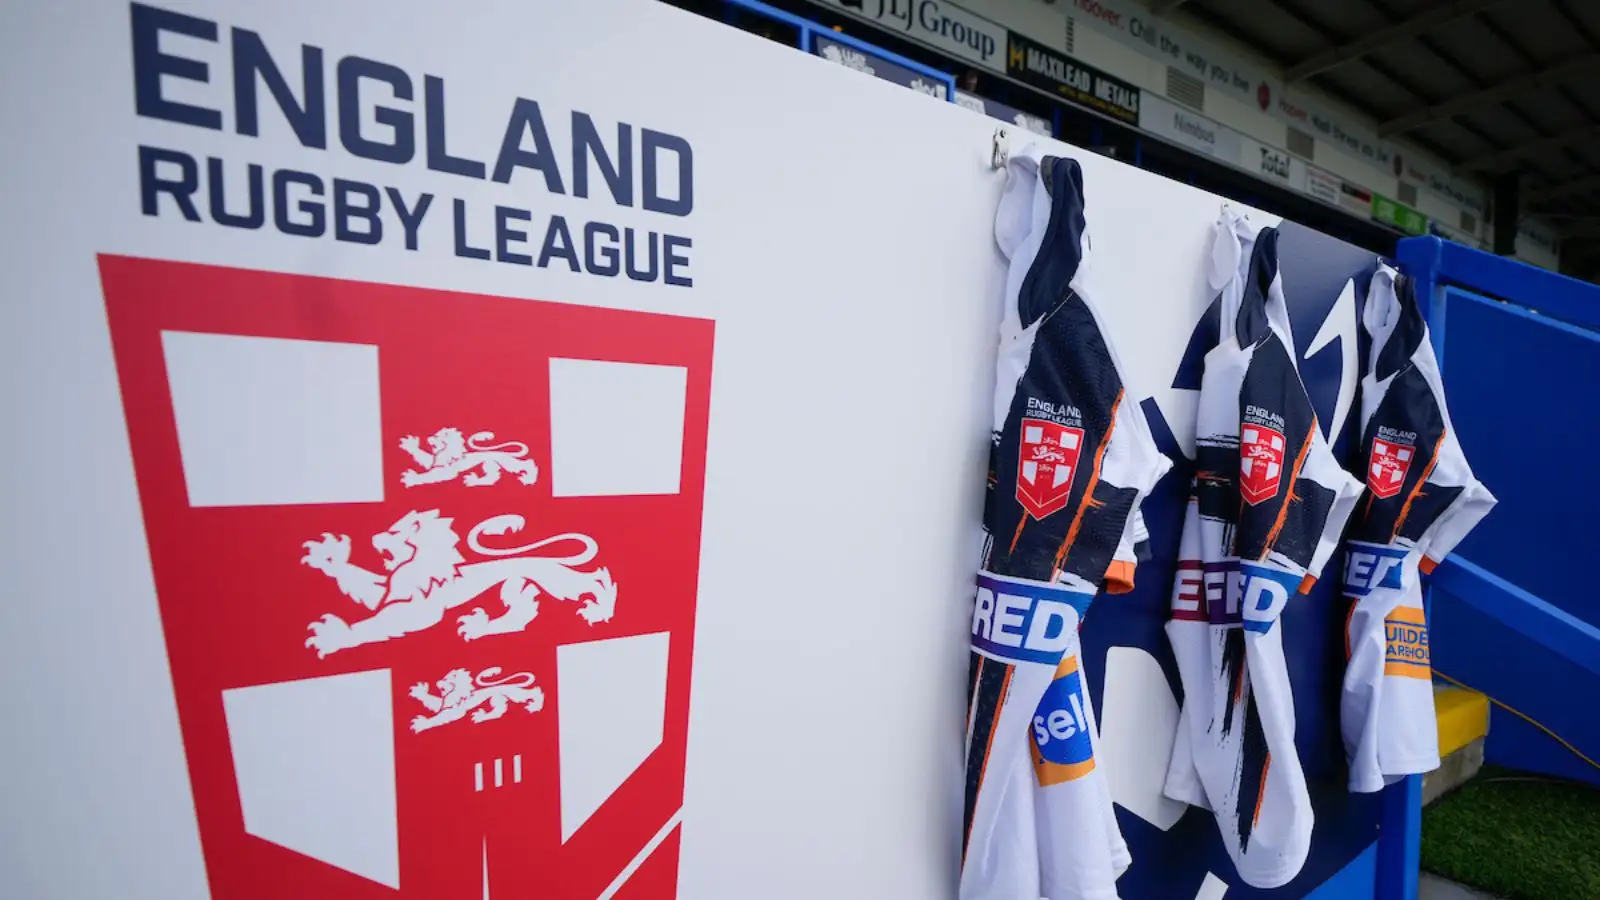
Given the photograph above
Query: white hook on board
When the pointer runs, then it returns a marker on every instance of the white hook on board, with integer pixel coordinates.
(1002, 148)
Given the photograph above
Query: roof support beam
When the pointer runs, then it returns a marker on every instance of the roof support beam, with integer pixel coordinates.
(1538, 80)
(1563, 189)
(1493, 162)
(1421, 23)
(1580, 229)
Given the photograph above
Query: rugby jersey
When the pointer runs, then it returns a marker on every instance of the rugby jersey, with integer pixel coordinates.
(1267, 506)
(1420, 501)
(1071, 458)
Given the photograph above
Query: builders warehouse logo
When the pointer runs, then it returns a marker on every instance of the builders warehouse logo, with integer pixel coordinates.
(426, 565)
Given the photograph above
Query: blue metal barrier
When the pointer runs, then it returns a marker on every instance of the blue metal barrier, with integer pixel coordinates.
(1512, 412)
(1552, 628)
(809, 30)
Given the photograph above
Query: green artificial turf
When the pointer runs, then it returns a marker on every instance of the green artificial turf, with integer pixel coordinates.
(1518, 836)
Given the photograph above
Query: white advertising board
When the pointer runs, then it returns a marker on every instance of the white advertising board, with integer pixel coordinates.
(1168, 120)
(1323, 185)
(704, 363)
(1253, 85)
(1277, 166)
(937, 23)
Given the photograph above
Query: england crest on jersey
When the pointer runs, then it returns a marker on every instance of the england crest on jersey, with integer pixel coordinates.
(1048, 459)
(426, 566)
(1260, 462)
(1391, 461)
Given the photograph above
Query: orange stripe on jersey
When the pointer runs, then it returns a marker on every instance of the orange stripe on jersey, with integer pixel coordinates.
(1261, 795)
(972, 712)
(1307, 583)
(1427, 470)
(1088, 489)
(1017, 535)
(1294, 476)
(1349, 620)
(1119, 576)
(1427, 565)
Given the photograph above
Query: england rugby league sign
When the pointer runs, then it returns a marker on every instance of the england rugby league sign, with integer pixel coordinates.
(426, 565)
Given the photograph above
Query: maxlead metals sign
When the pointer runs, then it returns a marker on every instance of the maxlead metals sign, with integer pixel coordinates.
(945, 26)
(1035, 64)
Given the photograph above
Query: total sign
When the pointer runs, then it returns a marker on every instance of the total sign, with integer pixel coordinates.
(427, 576)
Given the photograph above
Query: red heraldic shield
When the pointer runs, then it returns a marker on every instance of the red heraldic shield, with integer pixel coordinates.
(1260, 462)
(1390, 463)
(1048, 459)
(426, 564)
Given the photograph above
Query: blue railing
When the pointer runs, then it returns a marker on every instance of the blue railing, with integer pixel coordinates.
(1550, 627)
(810, 30)
(1510, 407)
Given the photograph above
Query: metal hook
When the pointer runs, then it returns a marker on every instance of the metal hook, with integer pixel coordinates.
(1002, 149)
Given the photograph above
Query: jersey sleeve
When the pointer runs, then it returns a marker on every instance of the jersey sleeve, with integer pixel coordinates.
(1472, 503)
(1125, 562)
(1439, 508)
(1134, 463)
(1323, 470)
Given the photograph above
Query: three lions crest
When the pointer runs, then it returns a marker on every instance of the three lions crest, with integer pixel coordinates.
(472, 459)
(427, 576)
(486, 696)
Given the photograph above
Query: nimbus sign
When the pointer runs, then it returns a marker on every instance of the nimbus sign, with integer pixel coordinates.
(1172, 122)
(943, 25)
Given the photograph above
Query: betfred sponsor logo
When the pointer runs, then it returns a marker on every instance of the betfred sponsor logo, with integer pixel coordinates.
(426, 565)
(1018, 620)
(1370, 567)
(1266, 591)
(1207, 592)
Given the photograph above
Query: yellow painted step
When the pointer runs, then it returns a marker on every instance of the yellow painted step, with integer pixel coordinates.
(1463, 717)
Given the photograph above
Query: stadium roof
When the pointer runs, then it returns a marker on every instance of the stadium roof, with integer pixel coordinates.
(1494, 87)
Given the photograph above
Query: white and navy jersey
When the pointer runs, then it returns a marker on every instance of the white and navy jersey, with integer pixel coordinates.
(1420, 501)
(1268, 504)
(1071, 459)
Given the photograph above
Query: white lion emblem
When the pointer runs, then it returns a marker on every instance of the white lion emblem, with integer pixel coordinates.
(449, 456)
(460, 692)
(428, 576)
